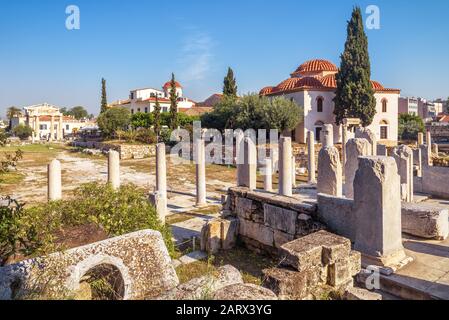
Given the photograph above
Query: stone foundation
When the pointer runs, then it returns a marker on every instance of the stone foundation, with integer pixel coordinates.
(126, 151)
(425, 221)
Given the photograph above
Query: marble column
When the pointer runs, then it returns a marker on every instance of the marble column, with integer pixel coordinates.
(311, 157)
(429, 142)
(247, 175)
(54, 181)
(420, 138)
(161, 182)
(52, 129)
(38, 128)
(60, 129)
(268, 175)
(114, 169)
(200, 158)
(294, 172)
(403, 155)
(285, 167)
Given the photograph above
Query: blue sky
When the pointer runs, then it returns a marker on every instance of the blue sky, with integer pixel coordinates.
(139, 43)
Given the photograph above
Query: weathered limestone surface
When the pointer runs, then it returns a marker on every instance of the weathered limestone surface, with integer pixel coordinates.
(425, 221)
(243, 292)
(403, 156)
(280, 219)
(141, 257)
(338, 215)
(420, 138)
(355, 148)
(160, 203)
(417, 161)
(310, 264)
(219, 234)
(356, 294)
(205, 287)
(330, 172)
(268, 221)
(377, 206)
(328, 135)
(268, 176)
(364, 133)
(54, 181)
(435, 148)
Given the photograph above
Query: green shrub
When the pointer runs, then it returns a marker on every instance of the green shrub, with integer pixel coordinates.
(409, 126)
(34, 231)
(112, 120)
(22, 131)
(14, 236)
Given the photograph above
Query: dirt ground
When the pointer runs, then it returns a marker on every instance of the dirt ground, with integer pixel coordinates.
(29, 183)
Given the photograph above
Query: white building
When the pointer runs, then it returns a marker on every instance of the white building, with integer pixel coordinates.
(48, 123)
(144, 100)
(313, 86)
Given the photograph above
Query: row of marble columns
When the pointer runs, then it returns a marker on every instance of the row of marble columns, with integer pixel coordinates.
(59, 131)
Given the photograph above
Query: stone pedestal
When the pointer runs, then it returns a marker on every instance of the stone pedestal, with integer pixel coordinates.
(200, 159)
(403, 156)
(435, 149)
(417, 161)
(114, 169)
(268, 176)
(160, 204)
(329, 172)
(429, 143)
(328, 135)
(247, 174)
(54, 181)
(355, 148)
(343, 144)
(377, 207)
(285, 167)
(364, 133)
(311, 157)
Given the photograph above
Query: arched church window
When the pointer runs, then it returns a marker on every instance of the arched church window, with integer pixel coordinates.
(319, 104)
(384, 105)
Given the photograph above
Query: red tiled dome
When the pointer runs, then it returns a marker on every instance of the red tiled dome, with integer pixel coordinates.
(329, 81)
(266, 90)
(317, 65)
(376, 85)
(309, 82)
(288, 84)
(167, 85)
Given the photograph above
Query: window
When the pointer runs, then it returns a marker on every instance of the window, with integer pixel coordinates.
(318, 128)
(384, 105)
(67, 127)
(383, 130)
(132, 111)
(319, 104)
(138, 110)
(132, 95)
(146, 110)
(164, 109)
(42, 127)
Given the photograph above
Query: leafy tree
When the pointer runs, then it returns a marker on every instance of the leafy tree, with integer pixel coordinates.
(173, 104)
(409, 126)
(142, 120)
(104, 99)
(22, 131)
(229, 84)
(12, 112)
(253, 112)
(355, 95)
(113, 119)
(78, 112)
(157, 117)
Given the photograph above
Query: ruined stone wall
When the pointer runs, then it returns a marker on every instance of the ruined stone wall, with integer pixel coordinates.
(434, 181)
(267, 221)
(126, 151)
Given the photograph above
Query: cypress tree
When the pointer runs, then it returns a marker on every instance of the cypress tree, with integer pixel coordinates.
(355, 94)
(230, 86)
(173, 104)
(157, 117)
(104, 100)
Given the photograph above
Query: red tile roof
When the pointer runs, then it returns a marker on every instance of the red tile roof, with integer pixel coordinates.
(167, 85)
(316, 65)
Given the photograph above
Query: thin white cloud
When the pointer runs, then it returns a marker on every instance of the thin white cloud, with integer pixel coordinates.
(196, 56)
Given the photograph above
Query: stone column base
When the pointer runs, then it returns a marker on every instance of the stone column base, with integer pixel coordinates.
(387, 264)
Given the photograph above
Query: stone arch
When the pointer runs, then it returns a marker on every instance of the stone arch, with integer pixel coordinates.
(93, 264)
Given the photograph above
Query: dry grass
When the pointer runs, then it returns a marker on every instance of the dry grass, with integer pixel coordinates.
(198, 213)
(247, 262)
